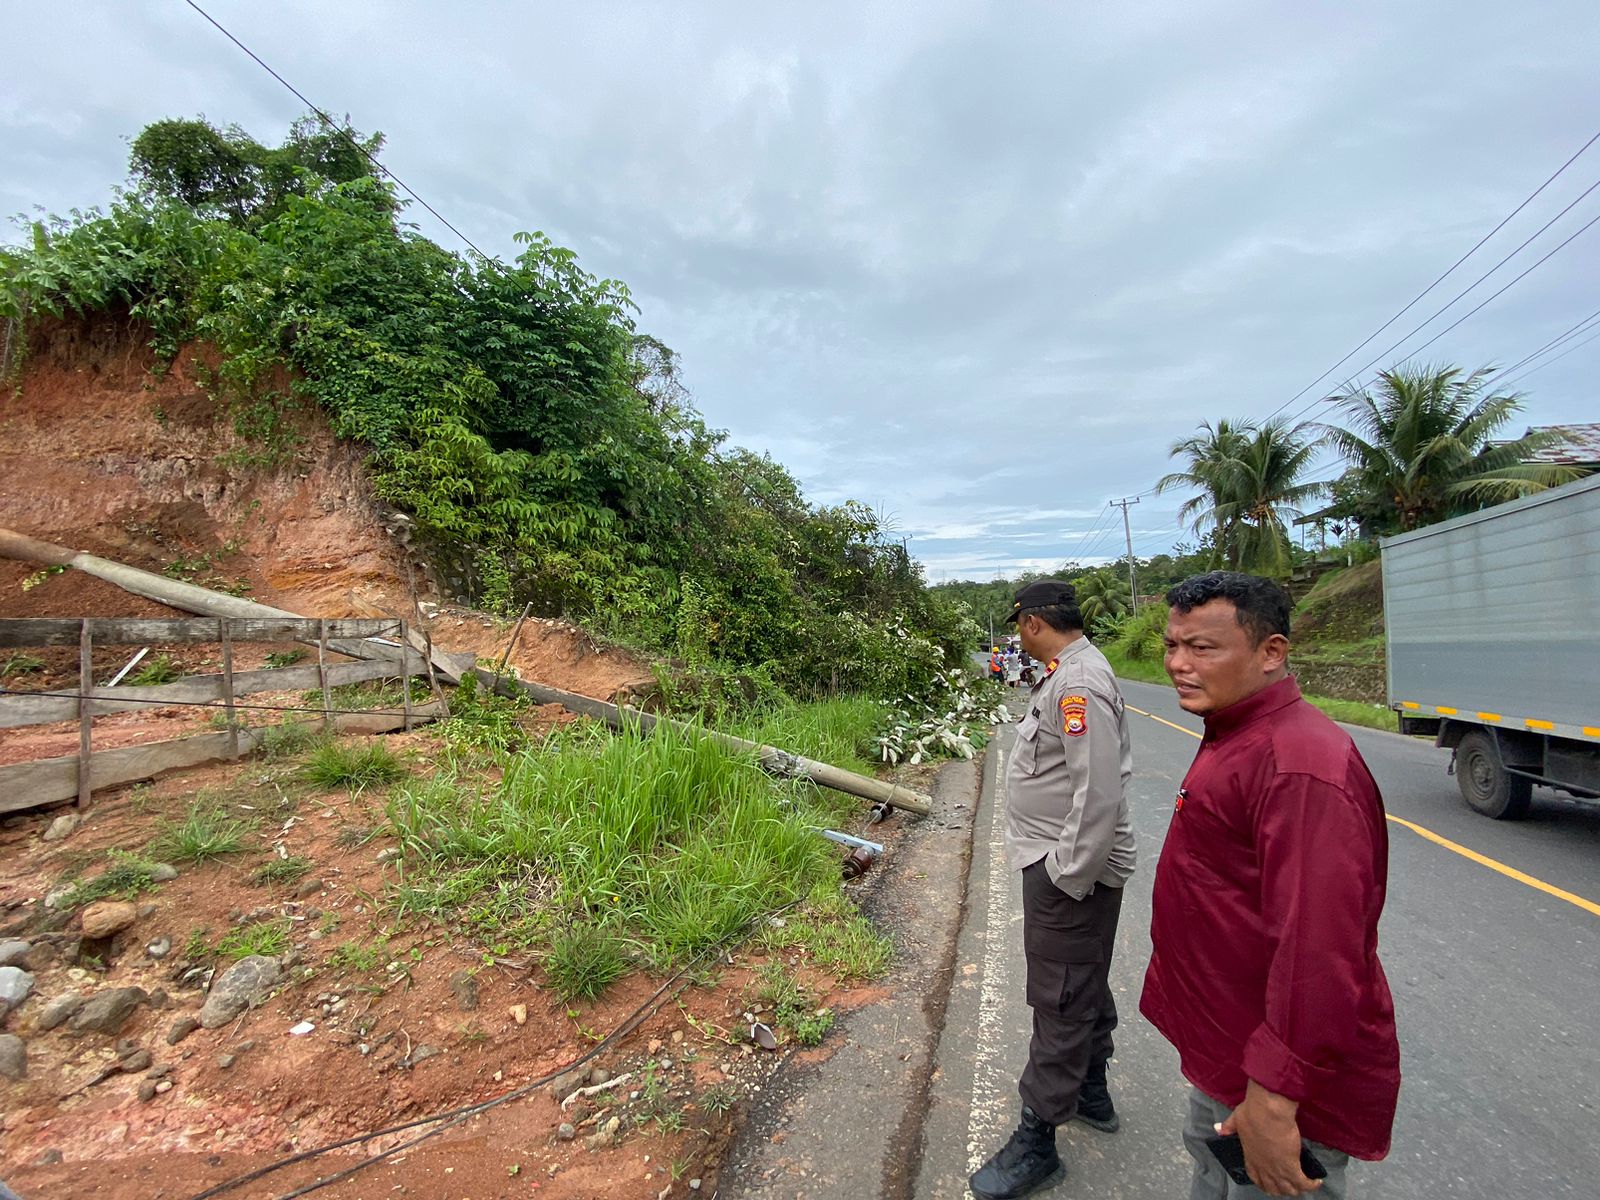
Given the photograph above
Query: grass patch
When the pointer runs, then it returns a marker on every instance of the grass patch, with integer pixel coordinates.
(284, 658)
(716, 1099)
(792, 1005)
(163, 668)
(268, 938)
(1142, 670)
(205, 833)
(351, 957)
(585, 959)
(678, 842)
(1354, 712)
(839, 732)
(127, 877)
(835, 936)
(288, 739)
(282, 870)
(355, 766)
(21, 664)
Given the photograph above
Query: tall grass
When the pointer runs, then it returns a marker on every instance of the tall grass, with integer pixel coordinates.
(667, 840)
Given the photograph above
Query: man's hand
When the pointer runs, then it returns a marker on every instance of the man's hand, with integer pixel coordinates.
(1266, 1126)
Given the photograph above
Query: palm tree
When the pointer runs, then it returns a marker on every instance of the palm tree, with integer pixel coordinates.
(1248, 478)
(1102, 597)
(1419, 442)
(1261, 487)
(1210, 453)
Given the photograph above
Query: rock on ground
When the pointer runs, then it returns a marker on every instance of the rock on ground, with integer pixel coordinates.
(59, 1011)
(13, 951)
(242, 985)
(16, 985)
(13, 1056)
(107, 917)
(108, 1011)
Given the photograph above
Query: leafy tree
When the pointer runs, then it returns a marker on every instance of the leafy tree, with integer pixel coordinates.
(1421, 446)
(226, 172)
(1102, 597)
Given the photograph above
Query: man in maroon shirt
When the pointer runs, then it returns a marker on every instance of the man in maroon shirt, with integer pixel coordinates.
(1265, 971)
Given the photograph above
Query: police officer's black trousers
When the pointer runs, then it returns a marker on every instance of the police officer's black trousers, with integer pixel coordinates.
(1068, 945)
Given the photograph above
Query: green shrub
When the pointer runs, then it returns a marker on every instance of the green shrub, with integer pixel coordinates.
(1140, 637)
(126, 877)
(162, 668)
(584, 960)
(283, 870)
(21, 664)
(353, 765)
(268, 938)
(205, 833)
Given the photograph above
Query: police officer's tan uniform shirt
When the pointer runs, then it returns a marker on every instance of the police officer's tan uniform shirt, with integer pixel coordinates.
(1067, 783)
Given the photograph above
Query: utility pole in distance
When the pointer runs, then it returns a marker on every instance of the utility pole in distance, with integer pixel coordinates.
(1133, 582)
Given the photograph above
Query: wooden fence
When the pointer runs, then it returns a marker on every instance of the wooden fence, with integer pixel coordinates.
(47, 781)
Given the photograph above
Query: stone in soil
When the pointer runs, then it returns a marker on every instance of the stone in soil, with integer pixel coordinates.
(138, 1061)
(13, 951)
(16, 985)
(566, 1131)
(106, 917)
(59, 1011)
(62, 827)
(163, 873)
(242, 985)
(107, 1011)
(181, 1028)
(159, 948)
(13, 1056)
(464, 984)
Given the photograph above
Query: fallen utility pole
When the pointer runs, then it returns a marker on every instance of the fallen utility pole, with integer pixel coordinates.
(772, 760)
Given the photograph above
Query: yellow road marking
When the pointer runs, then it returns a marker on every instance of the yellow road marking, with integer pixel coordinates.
(1164, 721)
(1481, 859)
(1510, 872)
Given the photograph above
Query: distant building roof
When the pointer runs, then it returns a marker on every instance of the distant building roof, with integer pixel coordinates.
(1576, 446)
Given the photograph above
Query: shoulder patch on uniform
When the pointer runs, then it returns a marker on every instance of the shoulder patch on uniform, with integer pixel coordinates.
(1074, 715)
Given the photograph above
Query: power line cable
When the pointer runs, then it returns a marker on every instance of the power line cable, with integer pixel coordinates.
(1581, 327)
(1351, 378)
(1548, 361)
(332, 124)
(1449, 271)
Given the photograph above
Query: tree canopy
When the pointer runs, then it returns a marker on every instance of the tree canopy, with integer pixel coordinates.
(546, 449)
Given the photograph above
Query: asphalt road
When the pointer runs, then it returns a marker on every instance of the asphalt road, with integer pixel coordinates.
(1496, 982)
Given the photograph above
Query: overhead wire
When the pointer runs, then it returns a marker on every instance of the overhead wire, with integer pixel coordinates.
(1541, 366)
(1504, 221)
(1570, 332)
(334, 125)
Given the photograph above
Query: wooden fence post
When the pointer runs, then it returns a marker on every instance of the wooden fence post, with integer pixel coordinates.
(85, 708)
(405, 674)
(227, 686)
(322, 675)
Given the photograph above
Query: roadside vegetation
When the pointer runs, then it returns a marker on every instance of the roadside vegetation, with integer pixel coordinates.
(546, 450)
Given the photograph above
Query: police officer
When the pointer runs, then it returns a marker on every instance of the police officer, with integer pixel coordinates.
(1068, 832)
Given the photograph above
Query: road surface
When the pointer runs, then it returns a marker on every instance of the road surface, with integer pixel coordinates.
(1491, 941)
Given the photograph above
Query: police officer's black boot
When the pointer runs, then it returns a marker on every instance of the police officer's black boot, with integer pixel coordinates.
(1094, 1101)
(1024, 1165)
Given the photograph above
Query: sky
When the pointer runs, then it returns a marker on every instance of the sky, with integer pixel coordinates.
(976, 265)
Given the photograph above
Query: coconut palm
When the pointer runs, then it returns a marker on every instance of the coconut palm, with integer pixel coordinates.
(1249, 480)
(1420, 444)
(1102, 597)
(1210, 453)
(1261, 487)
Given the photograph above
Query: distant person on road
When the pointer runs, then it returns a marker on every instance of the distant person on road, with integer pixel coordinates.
(1265, 971)
(996, 668)
(1067, 831)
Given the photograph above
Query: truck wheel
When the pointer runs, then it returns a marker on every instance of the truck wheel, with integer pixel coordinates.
(1486, 785)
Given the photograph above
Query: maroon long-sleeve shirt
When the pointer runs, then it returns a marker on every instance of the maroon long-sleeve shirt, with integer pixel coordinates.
(1265, 922)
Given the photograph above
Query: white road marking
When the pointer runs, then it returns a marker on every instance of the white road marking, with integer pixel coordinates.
(988, 1112)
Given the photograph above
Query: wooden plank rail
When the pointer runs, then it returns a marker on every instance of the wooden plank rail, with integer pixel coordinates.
(42, 708)
(52, 780)
(19, 632)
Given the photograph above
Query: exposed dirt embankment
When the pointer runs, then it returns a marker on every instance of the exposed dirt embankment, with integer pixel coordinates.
(1338, 636)
(102, 451)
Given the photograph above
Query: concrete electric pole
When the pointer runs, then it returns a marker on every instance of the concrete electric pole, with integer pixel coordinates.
(1133, 581)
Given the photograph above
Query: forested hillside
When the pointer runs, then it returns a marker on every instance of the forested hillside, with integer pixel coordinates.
(544, 447)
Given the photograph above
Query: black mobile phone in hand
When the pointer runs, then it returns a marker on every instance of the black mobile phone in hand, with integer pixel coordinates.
(1229, 1151)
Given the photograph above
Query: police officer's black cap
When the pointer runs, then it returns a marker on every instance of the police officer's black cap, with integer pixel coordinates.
(1042, 593)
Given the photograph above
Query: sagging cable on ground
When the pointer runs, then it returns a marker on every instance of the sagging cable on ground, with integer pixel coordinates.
(456, 1116)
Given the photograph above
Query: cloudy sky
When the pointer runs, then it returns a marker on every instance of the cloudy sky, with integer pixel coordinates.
(977, 265)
